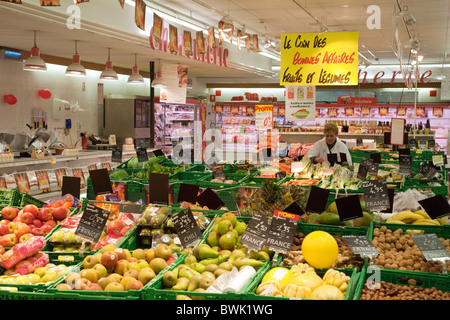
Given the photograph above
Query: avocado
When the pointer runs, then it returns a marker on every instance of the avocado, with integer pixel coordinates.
(329, 218)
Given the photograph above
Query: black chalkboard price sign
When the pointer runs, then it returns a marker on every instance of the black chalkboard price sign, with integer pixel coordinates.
(281, 232)
(430, 246)
(405, 164)
(186, 227)
(360, 245)
(376, 195)
(92, 223)
(116, 155)
(142, 154)
(219, 173)
(427, 170)
(254, 236)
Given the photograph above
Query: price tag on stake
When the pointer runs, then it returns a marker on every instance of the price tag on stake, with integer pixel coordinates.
(254, 236)
(186, 227)
(376, 195)
(281, 232)
(92, 223)
(361, 245)
(431, 247)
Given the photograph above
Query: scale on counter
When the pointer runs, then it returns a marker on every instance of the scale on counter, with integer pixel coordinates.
(38, 141)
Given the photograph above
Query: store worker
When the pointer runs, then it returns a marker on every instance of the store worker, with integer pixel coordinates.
(328, 145)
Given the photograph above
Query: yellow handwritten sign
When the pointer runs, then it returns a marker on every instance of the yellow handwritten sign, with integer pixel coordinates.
(319, 59)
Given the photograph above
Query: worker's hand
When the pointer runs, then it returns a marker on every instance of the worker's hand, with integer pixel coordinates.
(319, 160)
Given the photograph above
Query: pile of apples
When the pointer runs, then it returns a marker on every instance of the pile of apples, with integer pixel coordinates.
(118, 269)
(49, 273)
(19, 225)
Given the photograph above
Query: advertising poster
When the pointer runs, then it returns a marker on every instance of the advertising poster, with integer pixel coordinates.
(301, 103)
(263, 117)
(78, 172)
(175, 76)
(438, 112)
(211, 38)
(60, 173)
(319, 59)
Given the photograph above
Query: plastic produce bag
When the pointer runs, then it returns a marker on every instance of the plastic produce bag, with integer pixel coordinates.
(409, 200)
(233, 281)
(22, 251)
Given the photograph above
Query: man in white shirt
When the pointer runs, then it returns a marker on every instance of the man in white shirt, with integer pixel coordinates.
(330, 144)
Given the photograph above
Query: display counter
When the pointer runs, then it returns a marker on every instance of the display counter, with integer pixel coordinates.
(84, 158)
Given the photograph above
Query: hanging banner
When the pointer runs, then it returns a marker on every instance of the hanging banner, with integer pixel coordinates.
(157, 29)
(263, 117)
(187, 39)
(139, 14)
(122, 3)
(173, 39)
(211, 38)
(300, 103)
(50, 3)
(200, 43)
(175, 76)
(319, 58)
(255, 43)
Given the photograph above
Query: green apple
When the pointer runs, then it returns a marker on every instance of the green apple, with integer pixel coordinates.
(101, 270)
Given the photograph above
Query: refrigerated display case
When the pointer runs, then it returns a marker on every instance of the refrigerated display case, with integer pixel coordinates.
(172, 123)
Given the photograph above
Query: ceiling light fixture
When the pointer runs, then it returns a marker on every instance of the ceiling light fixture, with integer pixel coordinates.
(76, 69)
(35, 62)
(159, 82)
(135, 76)
(109, 73)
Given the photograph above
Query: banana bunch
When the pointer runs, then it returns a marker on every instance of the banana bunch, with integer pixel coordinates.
(418, 217)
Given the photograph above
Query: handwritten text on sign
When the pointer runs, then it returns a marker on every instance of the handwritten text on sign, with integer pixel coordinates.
(319, 59)
(263, 117)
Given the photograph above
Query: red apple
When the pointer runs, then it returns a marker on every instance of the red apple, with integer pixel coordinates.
(109, 259)
(33, 209)
(134, 285)
(37, 223)
(9, 213)
(116, 225)
(93, 286)
(21, 228)
(45, 214)
(60, 213)
(125, 229)
(26, 236)
(4, 229)
(38, 231)
(22, 264)
(26, 217)
(51, 223)
(8, 240)
(46, 228)
(5, 222)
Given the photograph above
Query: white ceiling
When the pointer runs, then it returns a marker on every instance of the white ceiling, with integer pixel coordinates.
(267, 18)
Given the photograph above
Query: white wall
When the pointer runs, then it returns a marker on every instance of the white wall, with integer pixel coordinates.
(26, 84)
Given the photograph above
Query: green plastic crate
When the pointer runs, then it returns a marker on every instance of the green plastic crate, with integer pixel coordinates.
(9, 197)
(423, 280)
(191, 175)
(154, 290)
(27, 199)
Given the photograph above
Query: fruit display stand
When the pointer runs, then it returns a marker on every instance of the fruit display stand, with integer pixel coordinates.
(401, 285)
(155, 290)
(160, 290)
